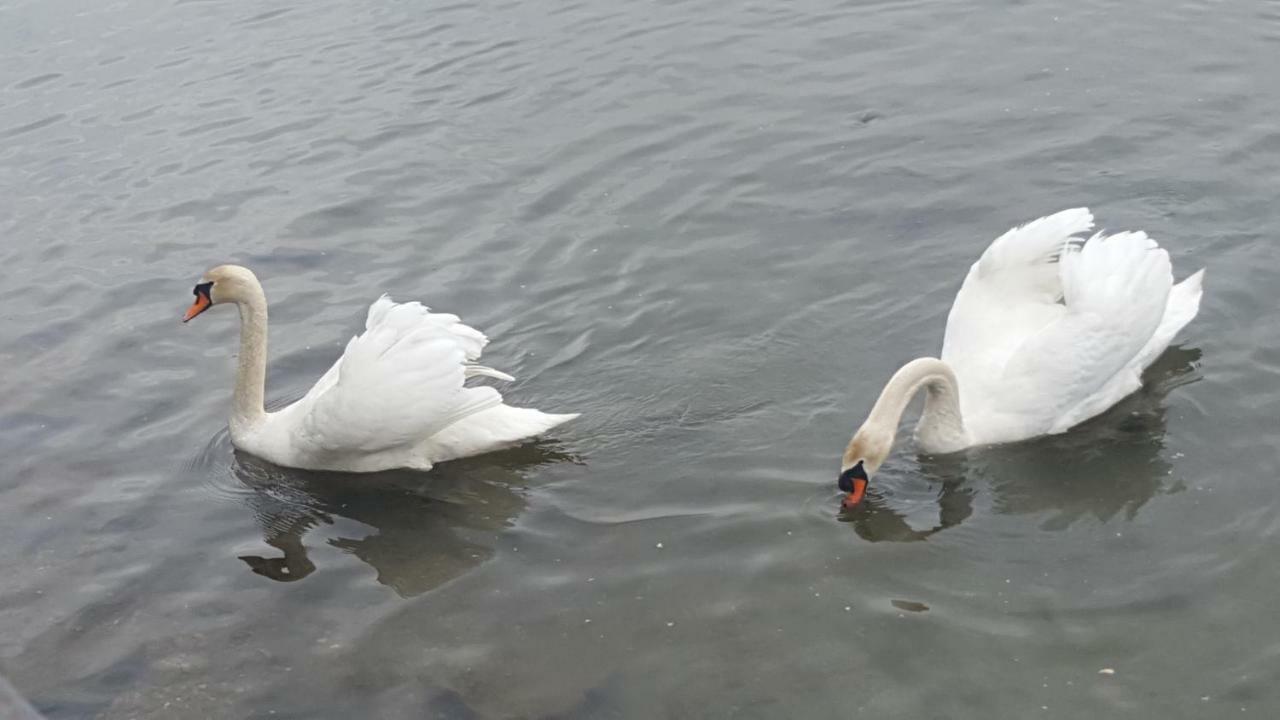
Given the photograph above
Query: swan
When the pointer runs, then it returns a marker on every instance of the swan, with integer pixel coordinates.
(395, 399)
(1047, 331)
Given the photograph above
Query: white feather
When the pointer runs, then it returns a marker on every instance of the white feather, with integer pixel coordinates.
(1048, 331)
(396, 398)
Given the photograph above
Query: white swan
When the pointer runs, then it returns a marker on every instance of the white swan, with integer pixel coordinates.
(1047, 331)
(395, 399)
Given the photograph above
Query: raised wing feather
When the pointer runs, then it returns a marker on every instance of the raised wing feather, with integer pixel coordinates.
(412, 315)
(1019, 262)
(1012, 290)
(1115, 291)
(398, 382)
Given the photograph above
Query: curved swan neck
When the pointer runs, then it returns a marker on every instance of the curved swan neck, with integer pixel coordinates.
(941, 427)
(247, 407)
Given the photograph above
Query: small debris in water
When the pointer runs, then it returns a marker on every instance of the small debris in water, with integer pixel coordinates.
(1107, 671)
(908, 605)
(659, 546)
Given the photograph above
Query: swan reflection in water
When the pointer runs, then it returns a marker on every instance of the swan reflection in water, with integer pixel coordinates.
(423, 528)
(1108, 467)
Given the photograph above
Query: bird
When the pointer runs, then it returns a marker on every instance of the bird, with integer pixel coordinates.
(396, 398)
(1049, 329)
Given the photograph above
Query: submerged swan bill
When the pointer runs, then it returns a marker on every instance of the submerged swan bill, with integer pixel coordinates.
(1036, 295)
(853, 482)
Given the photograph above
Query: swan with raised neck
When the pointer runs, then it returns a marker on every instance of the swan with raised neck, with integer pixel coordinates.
(236, 284)
(396, 398)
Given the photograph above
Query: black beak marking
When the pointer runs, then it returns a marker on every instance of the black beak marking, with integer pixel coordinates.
(848, 476)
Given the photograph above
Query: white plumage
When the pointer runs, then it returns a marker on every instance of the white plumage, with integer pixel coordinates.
(1048, 330)
(395, 398)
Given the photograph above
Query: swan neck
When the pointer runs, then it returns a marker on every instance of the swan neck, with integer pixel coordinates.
(941, 428)
(247, 407)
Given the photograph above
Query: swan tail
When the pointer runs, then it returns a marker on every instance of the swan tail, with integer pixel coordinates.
(1184, 304)
(1182, 307)
(494, 428)
(529, 423)
(506, 424)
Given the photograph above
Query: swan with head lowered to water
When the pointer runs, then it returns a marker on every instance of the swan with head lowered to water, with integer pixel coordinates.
(1047, 331)
(395, 399)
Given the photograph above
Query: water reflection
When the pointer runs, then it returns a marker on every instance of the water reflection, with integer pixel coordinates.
(1109, 467)
(423, 529)
(877, 520)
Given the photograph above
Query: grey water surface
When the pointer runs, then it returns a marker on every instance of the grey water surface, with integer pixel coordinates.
(713, 228)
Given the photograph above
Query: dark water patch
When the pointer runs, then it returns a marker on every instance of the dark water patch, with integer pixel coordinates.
(37, 80)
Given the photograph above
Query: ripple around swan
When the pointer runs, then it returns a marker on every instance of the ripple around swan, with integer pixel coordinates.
(713, 229)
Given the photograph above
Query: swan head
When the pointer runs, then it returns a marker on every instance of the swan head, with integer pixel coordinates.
(223, 284)
(862, 458)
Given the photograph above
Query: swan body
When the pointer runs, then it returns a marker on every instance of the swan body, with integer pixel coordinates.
(396, 398)
(1047, 330)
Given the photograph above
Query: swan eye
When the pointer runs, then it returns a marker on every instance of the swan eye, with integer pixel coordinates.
(203, 289)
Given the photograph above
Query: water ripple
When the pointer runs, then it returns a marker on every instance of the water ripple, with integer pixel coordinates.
(714, 230)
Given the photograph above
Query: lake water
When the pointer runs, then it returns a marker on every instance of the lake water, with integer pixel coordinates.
(713, 228)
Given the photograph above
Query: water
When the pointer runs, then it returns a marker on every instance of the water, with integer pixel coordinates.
(713, 228)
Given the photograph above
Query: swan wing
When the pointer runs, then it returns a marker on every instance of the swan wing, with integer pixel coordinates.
(1014, 289)
(1011, 293)
(398, 382)
(1115, 294)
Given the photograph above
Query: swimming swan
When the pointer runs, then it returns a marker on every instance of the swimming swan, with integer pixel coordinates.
(1047, 331)
(395, 399)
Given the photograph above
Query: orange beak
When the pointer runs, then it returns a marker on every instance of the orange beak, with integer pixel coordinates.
(855, 497)
(201, 304)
